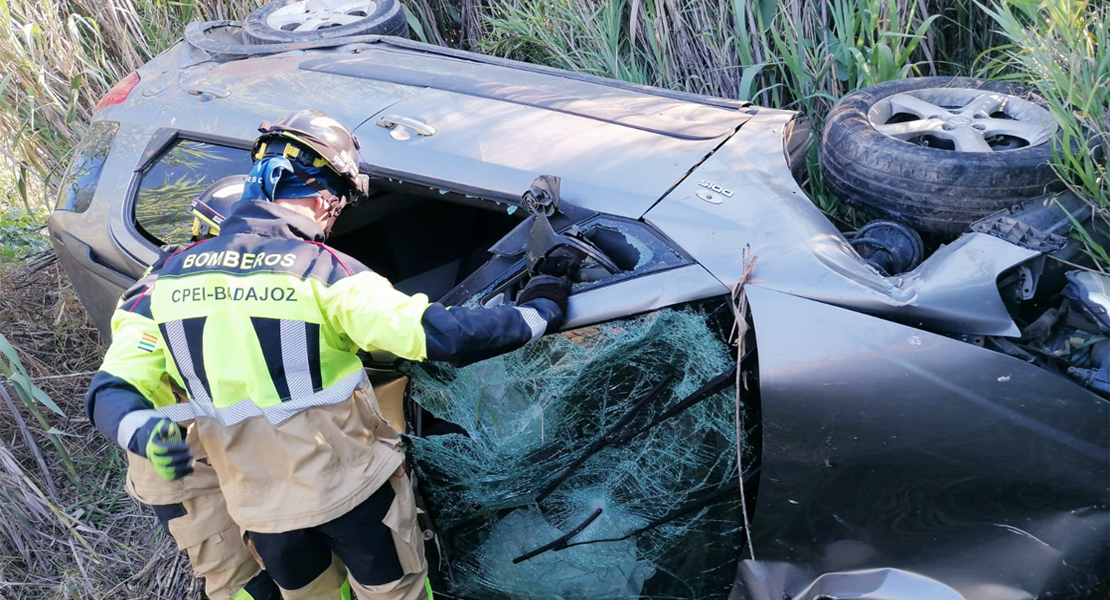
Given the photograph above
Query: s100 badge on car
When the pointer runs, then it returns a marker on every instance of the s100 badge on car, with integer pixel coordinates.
(727, 193)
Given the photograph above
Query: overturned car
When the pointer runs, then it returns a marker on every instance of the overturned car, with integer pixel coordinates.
(748, 401)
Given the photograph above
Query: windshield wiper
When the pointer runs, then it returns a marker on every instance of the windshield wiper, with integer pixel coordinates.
(563, 542)
(609, 438)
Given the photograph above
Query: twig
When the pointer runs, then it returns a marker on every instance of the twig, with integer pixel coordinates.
(28, 438)
(40, 261)
(63, 518)
(1074, 265)
(740, 328)
(81, 565)
(81, 374)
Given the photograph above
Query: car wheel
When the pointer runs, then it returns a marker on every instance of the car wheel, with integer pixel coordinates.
(937, 153)
(289, 21)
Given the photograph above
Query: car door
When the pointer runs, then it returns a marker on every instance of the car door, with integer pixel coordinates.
(496, 128)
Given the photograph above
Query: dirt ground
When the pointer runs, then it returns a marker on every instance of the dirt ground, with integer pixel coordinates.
(66, 537)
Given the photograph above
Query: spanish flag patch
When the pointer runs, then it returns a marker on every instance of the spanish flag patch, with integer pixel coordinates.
(148, 343)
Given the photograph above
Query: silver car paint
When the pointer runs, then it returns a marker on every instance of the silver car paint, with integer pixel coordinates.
(230, 100)
(799, 251)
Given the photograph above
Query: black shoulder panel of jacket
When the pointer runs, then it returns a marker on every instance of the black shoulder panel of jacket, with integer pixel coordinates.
(347, 262)
(249, 253)
(137, 297)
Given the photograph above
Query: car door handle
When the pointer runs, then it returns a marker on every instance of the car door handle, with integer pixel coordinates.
(397, 127)
(87, 256)
(207, 92)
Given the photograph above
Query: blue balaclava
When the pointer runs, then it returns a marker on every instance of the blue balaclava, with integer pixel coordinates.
(273, 177)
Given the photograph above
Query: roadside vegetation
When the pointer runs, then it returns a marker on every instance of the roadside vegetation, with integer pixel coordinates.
(67, 530)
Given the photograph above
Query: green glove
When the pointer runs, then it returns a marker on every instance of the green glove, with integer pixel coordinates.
(163, 444)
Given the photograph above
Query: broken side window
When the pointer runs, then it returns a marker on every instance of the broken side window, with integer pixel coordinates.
(599, 463)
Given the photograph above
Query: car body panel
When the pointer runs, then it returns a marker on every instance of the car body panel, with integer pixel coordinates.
(222, 40)
(799, 251)
(620, 151)
(96, 284)
(642, 294)
(888, 447)
(596, 101)
(95, 261)
(616, 151)
(606, 167)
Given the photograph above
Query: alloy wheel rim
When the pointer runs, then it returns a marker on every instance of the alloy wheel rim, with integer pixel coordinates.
(314, 15)
(962, 120)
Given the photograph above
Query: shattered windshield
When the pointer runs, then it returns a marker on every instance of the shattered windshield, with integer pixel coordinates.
(599, 463)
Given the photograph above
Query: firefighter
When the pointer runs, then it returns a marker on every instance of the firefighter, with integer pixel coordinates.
(192, 510)
(261, 326)
(211, 208)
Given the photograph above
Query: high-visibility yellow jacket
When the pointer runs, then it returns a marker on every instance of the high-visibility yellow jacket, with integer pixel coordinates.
(260, 326)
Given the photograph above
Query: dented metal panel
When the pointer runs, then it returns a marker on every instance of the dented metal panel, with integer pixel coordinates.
(899, 464)
(745, 195)
(642, 294)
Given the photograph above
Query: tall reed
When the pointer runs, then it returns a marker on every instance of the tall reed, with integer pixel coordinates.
(799, 54)
(1062, 47)
(58, 57)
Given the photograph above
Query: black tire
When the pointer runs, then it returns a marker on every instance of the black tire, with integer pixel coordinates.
(387, 17)
(929, 188)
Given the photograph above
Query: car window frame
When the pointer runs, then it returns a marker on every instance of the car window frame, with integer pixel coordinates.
(162, 141)
(80, 159)
(505, 271)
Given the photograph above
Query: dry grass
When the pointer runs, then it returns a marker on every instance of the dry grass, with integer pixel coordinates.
(70, 544)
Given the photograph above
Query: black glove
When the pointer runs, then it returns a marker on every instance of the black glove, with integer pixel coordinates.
(547, 287)
(560, 262)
